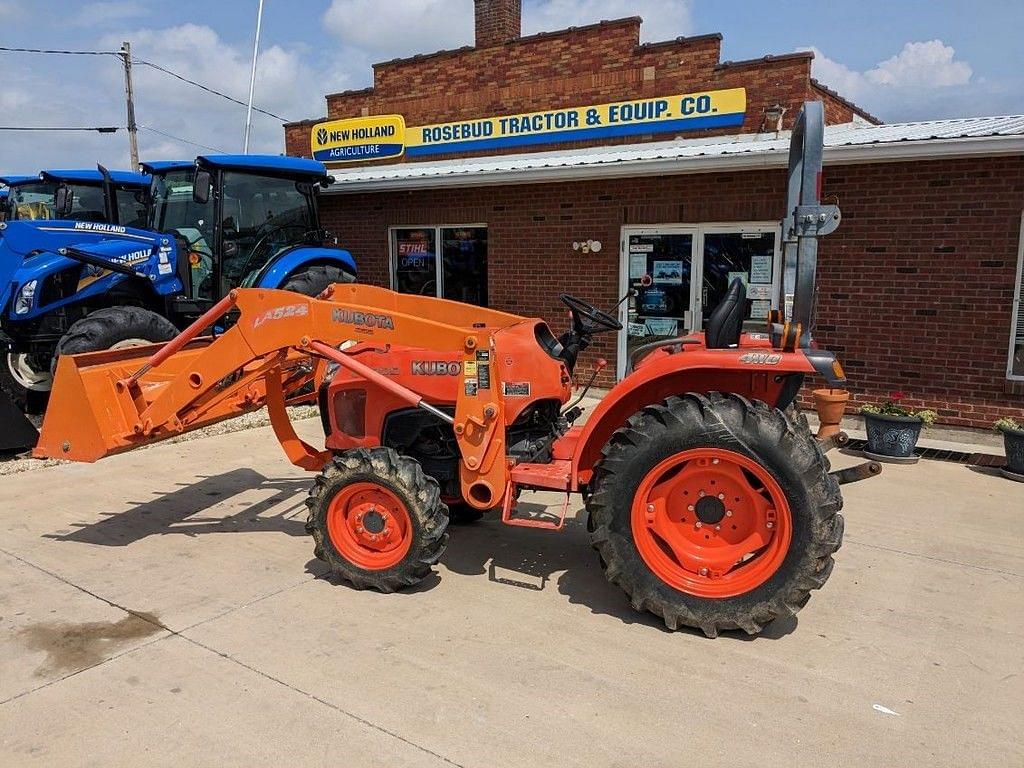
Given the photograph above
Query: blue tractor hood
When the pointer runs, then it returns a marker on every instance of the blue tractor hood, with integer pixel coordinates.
(32, 248)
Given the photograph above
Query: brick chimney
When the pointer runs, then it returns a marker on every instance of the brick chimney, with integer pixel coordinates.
(497, 21)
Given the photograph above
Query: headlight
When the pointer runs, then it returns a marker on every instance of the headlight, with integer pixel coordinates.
(26, 297)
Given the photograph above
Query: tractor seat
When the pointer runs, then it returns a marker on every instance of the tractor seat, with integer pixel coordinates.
(726, 321)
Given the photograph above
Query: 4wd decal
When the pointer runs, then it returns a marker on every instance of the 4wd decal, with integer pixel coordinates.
(280, 313)
(365, 319)
(436, 368)
(516, 388)
(760, 358)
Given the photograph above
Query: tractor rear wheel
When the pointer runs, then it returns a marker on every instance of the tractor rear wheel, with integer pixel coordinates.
(311, 281)
(377, 519)
(715, 512)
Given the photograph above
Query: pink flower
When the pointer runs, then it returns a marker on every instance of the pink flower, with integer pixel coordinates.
(897, 396)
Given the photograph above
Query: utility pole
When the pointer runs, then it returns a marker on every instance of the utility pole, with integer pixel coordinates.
(129, 95)
(252, 78)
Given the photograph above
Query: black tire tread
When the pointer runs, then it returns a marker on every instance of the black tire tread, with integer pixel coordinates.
(105, 327)
(406, 477)
(312, 280)
(725, 419)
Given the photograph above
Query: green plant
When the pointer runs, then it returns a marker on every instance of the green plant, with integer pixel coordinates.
(892, 407)
(1007, 423)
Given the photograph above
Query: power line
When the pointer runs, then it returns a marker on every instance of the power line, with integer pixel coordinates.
(206, 88)
(61, 52)
(98, 129)
(144, 63)
(184, 141)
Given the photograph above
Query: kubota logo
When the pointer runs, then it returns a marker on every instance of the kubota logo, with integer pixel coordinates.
(435, 368)
(322, 136)
(367, 319)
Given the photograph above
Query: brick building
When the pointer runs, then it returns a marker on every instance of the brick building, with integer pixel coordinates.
(586, 162)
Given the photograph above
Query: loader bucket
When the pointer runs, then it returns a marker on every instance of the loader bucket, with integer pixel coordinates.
(92, 413)
(17, 433)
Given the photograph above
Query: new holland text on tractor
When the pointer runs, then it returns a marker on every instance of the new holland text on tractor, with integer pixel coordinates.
(708, 505)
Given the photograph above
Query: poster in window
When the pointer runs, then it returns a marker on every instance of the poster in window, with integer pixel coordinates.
(668, 272)
(760, 268)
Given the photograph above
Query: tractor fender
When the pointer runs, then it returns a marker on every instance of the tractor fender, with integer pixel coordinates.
(295, 258)
(761, 375)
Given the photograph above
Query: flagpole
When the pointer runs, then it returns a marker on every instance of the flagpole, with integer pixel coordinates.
(252, 78)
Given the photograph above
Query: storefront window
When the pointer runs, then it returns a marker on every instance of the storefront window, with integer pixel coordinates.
(1015, 367)
(749, 256)
(461, 273)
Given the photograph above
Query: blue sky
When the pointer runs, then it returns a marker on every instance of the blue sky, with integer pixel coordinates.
(900, 60)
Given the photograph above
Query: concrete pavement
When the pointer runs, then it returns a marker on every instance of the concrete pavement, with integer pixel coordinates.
(163, 608)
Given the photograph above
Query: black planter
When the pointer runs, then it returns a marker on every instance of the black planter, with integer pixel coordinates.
(893, 436)
(1013, 440)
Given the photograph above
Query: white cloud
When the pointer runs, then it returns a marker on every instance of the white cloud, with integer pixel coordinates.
(198, 53)
(424, 26)
(925, 80)
(97, 14)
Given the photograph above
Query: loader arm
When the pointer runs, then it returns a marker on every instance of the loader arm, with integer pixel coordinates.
(109, 402)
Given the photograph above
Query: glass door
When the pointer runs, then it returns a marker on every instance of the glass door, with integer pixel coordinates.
(657, 263)
(750, 255)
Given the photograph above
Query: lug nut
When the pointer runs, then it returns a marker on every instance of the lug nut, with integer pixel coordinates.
(728, 513)
(698, 524)
(701, 494)
(703, 571)
(690, 508)
(769, 524)
(718, 527)
(714, 461)
(721, 496)
(650, 507)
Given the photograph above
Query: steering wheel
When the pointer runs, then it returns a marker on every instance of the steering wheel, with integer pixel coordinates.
(263, 241)
(582, 310)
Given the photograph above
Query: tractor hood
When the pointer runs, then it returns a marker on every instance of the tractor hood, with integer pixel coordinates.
(31, 249)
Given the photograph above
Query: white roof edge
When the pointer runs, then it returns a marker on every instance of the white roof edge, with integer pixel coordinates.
(850, 154)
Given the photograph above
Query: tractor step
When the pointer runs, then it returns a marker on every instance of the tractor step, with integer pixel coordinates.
(545, 521)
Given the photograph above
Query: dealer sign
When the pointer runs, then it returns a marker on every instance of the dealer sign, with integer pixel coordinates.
(358, 139)
(386, 136)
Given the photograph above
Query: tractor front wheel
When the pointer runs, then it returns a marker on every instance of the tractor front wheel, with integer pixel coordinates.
(715, 512)
(377, 519)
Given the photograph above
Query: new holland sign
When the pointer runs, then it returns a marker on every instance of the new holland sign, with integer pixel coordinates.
(374, 138)
(361, 138)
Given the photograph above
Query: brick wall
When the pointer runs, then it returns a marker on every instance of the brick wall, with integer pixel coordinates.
(915, 288)
(583, 65)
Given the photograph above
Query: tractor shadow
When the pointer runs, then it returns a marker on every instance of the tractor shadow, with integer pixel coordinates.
(534, 560)
(274, 505)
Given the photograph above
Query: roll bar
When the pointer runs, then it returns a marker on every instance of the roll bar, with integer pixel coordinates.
(805, 221)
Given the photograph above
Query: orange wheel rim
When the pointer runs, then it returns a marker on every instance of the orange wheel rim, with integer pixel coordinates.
(711, 523)
(369, 526)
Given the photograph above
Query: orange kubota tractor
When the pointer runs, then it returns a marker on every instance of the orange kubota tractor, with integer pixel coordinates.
(707, 503)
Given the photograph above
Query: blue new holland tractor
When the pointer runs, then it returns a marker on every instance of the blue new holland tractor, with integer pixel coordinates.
(33, 198)
(210, 225)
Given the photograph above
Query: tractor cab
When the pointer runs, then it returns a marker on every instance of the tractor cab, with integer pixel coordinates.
(76, 195)
(235, 216)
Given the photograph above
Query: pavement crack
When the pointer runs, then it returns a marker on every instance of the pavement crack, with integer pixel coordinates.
(959, 563)
(340, 710)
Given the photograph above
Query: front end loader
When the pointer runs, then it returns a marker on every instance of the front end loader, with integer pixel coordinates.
(709, 505)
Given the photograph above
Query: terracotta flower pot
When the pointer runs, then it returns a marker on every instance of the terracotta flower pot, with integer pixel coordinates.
(830, 405)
